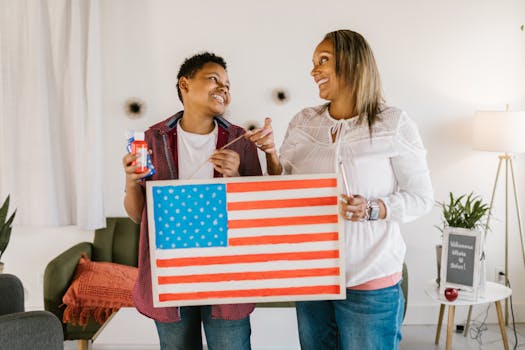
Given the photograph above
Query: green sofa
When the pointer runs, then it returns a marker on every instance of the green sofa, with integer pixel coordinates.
(117, 243)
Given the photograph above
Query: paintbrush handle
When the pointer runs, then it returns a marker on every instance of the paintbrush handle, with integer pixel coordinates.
(231, 142)
(220, 149)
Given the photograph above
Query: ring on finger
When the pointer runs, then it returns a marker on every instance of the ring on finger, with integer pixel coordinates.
(348, 214)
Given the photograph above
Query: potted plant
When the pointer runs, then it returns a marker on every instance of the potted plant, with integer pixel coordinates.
(468, 211)
(5, 229)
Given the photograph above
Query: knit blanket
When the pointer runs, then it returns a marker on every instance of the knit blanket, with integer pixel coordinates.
(98, 290)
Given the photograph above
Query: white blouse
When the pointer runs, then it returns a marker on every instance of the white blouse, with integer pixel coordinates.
(390, 166)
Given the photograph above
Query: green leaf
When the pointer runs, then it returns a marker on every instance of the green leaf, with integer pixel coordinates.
(5, 226)
(3, 211)
(466, 211)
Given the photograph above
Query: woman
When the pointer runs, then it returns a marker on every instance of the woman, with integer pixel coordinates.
(379, 152)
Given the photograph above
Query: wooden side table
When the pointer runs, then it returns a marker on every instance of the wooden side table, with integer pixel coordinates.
(494, 293)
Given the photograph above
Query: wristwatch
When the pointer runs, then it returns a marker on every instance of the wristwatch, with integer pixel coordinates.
(372, 209)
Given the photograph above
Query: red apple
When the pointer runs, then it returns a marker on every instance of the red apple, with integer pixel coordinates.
(451, 294)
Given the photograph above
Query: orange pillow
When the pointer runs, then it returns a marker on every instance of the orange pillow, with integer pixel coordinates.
(98, 290)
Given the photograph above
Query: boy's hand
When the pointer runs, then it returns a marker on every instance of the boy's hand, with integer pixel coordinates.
(263, 138)
(131, 177)
(226, 162)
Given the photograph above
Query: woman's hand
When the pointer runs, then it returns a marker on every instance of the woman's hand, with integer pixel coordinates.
(263, 138)
(226, 162)
(353, 208)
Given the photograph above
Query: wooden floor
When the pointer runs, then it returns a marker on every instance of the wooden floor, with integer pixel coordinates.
(414, 338)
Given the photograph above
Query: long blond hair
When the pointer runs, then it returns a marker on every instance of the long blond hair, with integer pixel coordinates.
(355, 62)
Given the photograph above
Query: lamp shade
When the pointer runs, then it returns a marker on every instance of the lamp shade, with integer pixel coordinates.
(499, 131)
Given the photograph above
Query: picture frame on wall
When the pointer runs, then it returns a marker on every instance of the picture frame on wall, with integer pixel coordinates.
(460, 262)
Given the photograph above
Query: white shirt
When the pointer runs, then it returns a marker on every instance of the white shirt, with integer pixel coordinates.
(391, 166)
(194, 151)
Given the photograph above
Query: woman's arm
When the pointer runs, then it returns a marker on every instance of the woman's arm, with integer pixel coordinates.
(414, 196)
(263, 139)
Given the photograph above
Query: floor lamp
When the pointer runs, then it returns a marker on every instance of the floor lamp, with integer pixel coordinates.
(502, 132)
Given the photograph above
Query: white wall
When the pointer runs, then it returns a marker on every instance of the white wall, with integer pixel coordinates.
(440, 61)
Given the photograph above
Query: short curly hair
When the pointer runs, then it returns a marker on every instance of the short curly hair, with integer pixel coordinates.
(194, 63)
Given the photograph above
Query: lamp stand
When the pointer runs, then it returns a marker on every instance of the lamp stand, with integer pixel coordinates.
(508, 164)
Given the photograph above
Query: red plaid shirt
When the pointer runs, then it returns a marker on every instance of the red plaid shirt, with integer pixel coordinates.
(162, 140)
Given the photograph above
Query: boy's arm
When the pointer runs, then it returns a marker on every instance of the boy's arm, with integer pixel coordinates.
(134, 202)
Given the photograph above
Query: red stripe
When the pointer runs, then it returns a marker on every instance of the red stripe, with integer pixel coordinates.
(246, 258)
(286, 221)
(279, 185)
(278, 239)
(264, 292)
(243, 276)
(282, 203)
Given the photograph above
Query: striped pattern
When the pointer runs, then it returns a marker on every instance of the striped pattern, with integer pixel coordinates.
(282, 244)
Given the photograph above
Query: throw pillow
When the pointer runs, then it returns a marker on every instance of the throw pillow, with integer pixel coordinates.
(98, 290)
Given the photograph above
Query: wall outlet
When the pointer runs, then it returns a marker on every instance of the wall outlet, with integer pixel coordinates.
(499, 275)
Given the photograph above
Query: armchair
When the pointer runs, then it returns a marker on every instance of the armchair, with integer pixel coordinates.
(117, 243)
(21, 330)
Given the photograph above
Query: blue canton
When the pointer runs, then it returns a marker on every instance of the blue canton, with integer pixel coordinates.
(190, 216)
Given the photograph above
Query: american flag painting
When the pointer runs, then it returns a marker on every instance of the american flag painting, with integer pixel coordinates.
(245, 239)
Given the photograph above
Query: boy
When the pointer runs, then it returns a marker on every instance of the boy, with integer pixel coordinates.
(188, 145)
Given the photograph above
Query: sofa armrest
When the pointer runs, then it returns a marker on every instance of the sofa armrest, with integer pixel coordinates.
(31, 330)
(59, 274)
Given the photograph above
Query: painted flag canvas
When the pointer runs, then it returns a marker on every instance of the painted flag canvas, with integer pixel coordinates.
(245, 239)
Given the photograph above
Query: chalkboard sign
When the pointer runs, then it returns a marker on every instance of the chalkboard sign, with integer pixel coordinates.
(460, 261)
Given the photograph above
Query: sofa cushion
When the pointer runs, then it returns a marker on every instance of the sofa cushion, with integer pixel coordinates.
(98, 289)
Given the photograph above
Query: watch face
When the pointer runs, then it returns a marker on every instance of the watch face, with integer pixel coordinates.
(374, 211)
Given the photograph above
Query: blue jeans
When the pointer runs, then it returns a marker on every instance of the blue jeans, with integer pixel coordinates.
(220, 334)
(365, 320)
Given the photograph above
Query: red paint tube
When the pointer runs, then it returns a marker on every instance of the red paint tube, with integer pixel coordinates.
(140, 147)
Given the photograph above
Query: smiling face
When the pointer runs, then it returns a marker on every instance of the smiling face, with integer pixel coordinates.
(331, 86)
(208, 90)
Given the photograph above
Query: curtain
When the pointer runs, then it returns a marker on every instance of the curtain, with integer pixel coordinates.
(50, 112)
